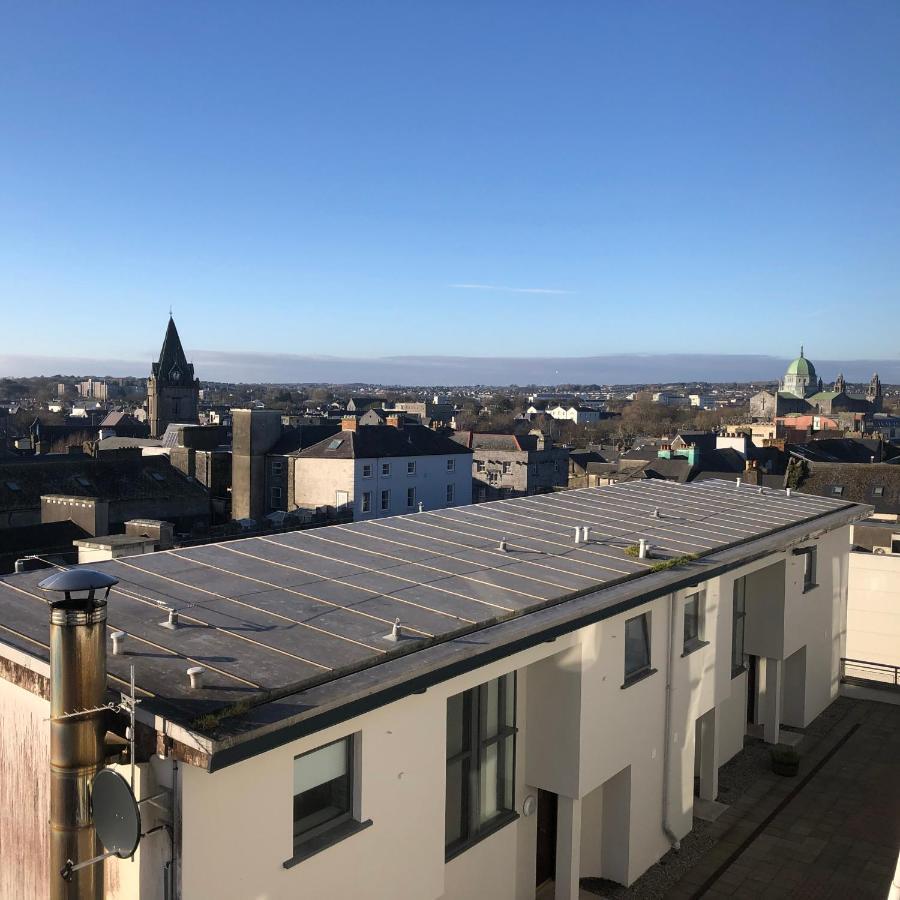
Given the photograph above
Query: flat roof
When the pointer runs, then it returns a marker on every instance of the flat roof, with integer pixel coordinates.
(274, 618)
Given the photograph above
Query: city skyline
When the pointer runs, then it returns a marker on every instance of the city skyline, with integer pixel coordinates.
(357, 181)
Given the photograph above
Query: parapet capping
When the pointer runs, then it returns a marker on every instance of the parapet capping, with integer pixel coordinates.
(351, 695)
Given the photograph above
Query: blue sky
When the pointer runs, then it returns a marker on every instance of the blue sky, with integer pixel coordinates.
(464, 179)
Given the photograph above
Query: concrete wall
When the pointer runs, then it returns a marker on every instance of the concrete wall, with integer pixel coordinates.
(873, 608)
(254, 433)
(317, 481)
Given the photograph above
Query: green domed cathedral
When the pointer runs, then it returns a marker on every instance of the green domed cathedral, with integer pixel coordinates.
(801, 391)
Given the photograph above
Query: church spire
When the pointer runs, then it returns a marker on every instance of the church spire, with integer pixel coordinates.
(173, 365)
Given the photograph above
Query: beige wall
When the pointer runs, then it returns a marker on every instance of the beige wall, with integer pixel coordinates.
(873, 608)
(317, 480)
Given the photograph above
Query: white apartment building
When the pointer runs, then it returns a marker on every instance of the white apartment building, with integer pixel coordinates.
(383, 470)
(539, 713)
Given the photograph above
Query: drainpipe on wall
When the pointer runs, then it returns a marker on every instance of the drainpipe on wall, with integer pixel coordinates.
(670, 662)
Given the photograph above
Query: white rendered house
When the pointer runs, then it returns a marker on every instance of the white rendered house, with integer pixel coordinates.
(535, 679)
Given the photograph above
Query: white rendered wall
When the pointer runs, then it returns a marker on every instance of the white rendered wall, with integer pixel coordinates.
(316, 481)
(873, 608)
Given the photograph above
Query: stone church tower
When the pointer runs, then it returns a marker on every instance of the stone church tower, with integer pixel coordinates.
(873, 394)
(840, 384)
(172, 391)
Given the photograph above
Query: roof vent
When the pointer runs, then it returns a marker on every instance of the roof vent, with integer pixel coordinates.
(577, 534)
(737, 482)
(643, 548)
(787, 492)
(585, 534)
(195, 673)
(118, 640)
(396, 632)
(502, 545)
(172, 622)
(656, 512)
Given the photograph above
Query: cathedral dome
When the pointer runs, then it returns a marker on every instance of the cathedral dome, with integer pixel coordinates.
(803, 367)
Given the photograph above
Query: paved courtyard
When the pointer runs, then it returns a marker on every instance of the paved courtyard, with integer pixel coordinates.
(833, 831)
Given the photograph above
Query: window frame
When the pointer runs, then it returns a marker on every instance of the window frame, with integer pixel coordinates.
(411, 467)
(347, 822)
(385, 494)
(695, 641)
(365, 502)
(385, 470)
(450, 493)
(739, 591)
(275, 494)
(645, 670)
(277, 467)
(475, 743)
(810, 561)
(367, 469)
(410, 498)
(451, 464)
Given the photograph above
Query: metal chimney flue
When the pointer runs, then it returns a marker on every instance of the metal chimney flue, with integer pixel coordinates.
(77, 685)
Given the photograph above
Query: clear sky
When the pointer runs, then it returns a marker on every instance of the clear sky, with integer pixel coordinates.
(465, 179)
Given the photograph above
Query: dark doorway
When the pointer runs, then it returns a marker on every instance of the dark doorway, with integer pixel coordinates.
(546, 837)
(752, 666)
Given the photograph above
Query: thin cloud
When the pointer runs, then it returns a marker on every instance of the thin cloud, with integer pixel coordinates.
(509, 290)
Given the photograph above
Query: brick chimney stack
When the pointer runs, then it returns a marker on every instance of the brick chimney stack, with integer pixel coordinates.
(395, 420)
(752, 474)
(349, 423)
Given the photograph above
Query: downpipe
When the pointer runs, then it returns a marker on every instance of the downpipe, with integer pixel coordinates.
(670, 662)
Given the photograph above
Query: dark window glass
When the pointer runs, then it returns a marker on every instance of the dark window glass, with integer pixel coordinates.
(322, 789)
(637, 645)
(691, 620)
(809, 568)
(739, 612)
(480, 760)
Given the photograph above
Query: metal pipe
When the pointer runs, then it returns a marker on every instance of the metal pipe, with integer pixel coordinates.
(77, 681)
(668, 740)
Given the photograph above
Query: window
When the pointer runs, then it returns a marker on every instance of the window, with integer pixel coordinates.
(450, 493)
(637, 648)
(739, 613)
(410, 497)
(479, 465)
(366, 505)
(481, 750)
(367, 470)
(324, 798)
(838, 490)
(878, 491)
(809, 567)
(276, 495)
(482, 493)
(385, 500)
(451, 464)
(693, 623)
(507, 468)
(333, 445)
(411, 467)
(276, 467)
(385, 469)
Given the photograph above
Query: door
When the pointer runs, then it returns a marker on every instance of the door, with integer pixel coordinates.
(341, 499)
(545, 868)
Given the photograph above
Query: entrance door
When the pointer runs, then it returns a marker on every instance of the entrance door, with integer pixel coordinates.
(341, 499)
(546, 837)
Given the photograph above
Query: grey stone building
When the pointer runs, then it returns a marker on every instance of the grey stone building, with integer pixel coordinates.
(173, 394)
(512, 465)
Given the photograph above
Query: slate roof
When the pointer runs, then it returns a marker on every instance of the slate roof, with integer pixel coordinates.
(859, 450)
(171, 356)
(856, 483)
(145, 477)
(299, 437)
(292, 628)
(377, 441)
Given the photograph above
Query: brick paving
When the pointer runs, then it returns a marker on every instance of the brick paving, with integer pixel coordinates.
(837, 837)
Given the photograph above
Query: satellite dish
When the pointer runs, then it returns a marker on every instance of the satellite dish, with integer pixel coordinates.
(117, 818)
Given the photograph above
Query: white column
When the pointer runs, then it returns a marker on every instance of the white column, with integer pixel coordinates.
(568, 848)
(709, 756)
(772, 721)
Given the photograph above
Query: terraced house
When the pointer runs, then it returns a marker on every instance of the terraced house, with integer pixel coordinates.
(458, 703)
